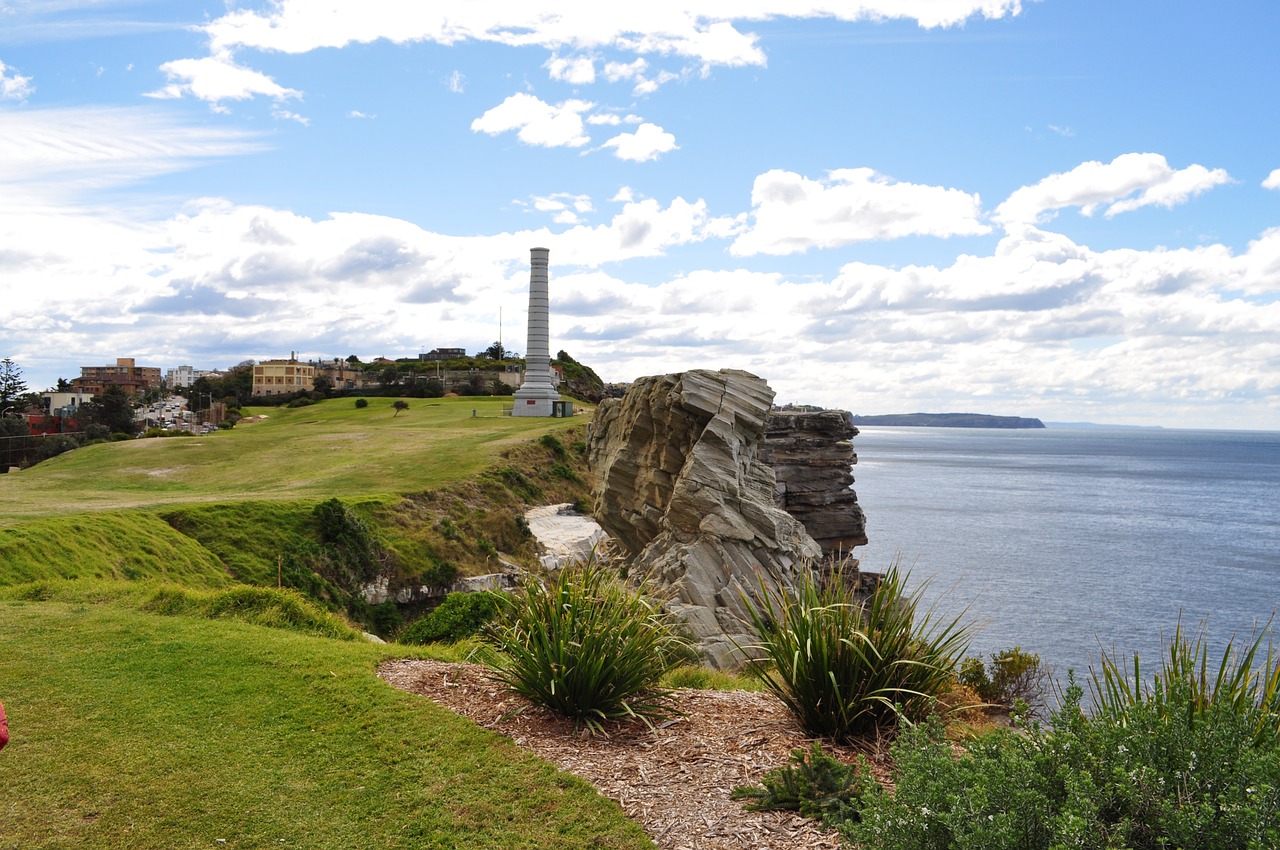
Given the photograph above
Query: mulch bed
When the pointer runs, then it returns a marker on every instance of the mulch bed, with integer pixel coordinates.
(675, 781)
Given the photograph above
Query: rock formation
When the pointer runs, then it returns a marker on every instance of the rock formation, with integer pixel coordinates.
(680, 488)
(812, 458)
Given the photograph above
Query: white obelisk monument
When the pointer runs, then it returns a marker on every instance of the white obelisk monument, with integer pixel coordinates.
(537, 392)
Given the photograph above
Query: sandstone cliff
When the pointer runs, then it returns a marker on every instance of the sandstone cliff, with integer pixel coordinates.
(681, 489)
(812, 458)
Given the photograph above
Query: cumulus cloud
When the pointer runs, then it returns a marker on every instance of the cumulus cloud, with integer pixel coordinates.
(702, 31)
(792, 213)
(1273, 180)
(14, 86)
(536, 121)
(217, 78)
(1129, 182)
(648, 142)
(564, 207)
(577, 70)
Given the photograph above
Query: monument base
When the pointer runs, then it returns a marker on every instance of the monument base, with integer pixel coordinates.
(539, 406)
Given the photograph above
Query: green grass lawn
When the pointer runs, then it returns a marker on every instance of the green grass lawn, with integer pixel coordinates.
(134, 730)
(327, 449)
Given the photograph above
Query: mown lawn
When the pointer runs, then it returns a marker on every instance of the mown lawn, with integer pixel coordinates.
(316, 452)
(137, 730)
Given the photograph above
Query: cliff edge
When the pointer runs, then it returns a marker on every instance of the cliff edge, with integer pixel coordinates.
(681, 488)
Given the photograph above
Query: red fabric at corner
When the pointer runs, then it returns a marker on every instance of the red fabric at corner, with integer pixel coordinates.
(4, 727)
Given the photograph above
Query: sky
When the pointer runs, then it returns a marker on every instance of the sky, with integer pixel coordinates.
(1066, 209)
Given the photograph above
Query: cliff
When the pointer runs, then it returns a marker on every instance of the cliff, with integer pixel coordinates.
(812, 457)
(681, 488)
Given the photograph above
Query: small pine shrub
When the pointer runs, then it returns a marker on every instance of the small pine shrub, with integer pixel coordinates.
(459, 616)
(587, 646)
(846, 671)
(814, 784)
(362, 403)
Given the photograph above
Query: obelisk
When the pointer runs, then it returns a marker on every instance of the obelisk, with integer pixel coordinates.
(537, 392)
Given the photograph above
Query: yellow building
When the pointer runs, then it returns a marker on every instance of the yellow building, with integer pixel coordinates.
(278, 377)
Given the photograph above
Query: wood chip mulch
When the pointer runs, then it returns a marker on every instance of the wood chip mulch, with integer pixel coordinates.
(674, 781)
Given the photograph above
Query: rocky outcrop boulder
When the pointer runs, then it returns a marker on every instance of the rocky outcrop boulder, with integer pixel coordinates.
(812, 457)
(681, 489)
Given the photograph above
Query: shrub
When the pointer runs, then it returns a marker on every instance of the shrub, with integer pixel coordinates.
(1011, 676)
(362, 402)
(586, 646)
(813, 784)
(848, 671)
(549, 442)
(303, 401)
(459, 616)
(1134, 781)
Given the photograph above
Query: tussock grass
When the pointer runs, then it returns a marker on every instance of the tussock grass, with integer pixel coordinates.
(849, 672)
(587, 646)
(135, 730)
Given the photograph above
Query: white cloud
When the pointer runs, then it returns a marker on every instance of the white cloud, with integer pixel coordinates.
(355, 113)
(1273, 180)
(613, 119)
(702, 30)
(537, 122)
(792, 213)
(566, 208)
(648, 142)
(14, 86)
(217, 78)
(576, 70)
(618, 71)
(1128, 182)
(457, 82)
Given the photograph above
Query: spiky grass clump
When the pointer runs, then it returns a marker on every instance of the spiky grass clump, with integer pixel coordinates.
(846, 671)
(587, 646)
(1187, 689)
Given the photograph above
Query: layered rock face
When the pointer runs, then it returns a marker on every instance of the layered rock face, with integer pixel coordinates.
(681, 489)
(812, 458)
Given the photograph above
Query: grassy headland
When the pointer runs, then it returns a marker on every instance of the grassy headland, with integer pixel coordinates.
(155, 701)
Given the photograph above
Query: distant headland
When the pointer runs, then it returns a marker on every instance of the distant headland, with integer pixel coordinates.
(949, 420)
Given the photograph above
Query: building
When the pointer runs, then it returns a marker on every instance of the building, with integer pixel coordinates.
(443, 354)
(183, 377)
(125, 374)
(63, 403)
(340, 374)
(280, 377)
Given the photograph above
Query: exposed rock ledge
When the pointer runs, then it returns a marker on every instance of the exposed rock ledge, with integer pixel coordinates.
(681, 489)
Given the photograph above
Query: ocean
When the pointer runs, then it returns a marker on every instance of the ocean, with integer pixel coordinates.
(1072, 540)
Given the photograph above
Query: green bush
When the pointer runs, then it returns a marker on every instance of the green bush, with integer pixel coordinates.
(814, 784)
(848, 671)
(362, 402)
(302, 401)
(459, 616)
(586, 646)
(1011, 676)
(1189, 759)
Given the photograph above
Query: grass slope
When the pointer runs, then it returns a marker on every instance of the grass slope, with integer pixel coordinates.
(327, 449)
(136, 730)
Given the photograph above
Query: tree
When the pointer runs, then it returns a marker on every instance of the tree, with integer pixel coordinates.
(389, 376)
(11, 384)
(353, 360)
(63, 386)
(399, 404)
(322, 385)
(117, 410)
(494, 352)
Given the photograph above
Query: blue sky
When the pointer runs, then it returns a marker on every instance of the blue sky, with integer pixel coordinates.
(1068, 210)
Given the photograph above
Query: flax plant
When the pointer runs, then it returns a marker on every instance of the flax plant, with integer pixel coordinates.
(848, 670)
(1186, 688)
(587, 646)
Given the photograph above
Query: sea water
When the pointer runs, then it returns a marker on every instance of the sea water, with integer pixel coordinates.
(1070, 541)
